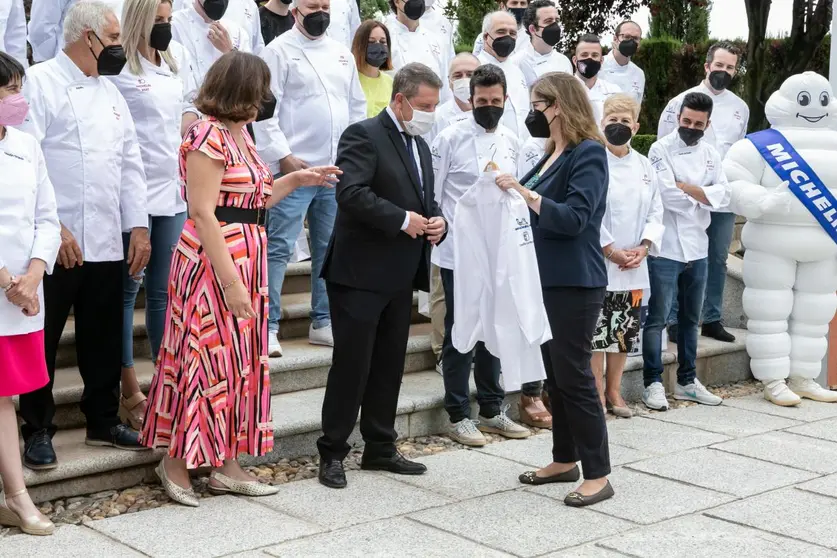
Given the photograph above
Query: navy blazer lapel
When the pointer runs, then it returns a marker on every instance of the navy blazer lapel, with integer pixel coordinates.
(401, 147)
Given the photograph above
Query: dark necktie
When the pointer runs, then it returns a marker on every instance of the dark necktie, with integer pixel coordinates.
(411, 155)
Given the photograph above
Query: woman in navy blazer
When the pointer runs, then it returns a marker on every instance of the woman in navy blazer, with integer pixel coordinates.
(566, 192)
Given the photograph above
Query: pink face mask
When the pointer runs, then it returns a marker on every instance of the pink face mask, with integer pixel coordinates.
(13, 110)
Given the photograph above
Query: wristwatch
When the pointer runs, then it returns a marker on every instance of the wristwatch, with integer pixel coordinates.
(532, 197)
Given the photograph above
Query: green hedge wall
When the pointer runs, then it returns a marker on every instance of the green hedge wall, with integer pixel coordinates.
(642, 142)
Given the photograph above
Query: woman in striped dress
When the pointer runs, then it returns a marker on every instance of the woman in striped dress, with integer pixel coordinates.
(210, 397)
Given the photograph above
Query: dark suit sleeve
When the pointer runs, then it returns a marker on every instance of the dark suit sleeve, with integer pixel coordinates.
(358, 159)
(587, 184)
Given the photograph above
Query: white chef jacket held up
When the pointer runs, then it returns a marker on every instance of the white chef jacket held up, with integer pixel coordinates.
(29, 226)
(634, 213)
(190, 30)
(90, 146)
(685, 219)
(318, 95)
(517, 103)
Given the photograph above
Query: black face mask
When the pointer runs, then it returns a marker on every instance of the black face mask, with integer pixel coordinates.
(690, 136)
(267, 109)
(160, 36)
(551, 34)
(111, 60)
(316, 23)
(504, 46)
(414, 9)
(518, 14)
(628, 48)
(537, 124)
(719, 80)
(215, 9)
(488, 117)
(618, 133)
(287, 2)
(588, 67)
(376, 54)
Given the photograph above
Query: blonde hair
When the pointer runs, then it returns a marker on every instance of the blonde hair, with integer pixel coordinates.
(619, 103)
(137, 22)
(576, 117)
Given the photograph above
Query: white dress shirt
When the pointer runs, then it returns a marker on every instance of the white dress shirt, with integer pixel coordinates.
(422, 45)
(29, 226)
(517, 104)
(318, 95)
(522, 40)
(460, 155)
(447, 114)
(598, 94)
(13, 28)
(92, 155)
(685, 219)
(190, 30)
(634, 213)
(533, 64)
(157, 99)
(629, 78)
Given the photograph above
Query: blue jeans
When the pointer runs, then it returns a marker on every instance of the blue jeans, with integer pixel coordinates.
(164, 233)
(284, 221)
(720, 232)
(686, 281)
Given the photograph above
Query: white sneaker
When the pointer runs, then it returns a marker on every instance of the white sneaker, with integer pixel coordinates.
(697, 393)
(654, 397)
(274, 349)
(465, 432)
(809, 389)
(779, 393)
(503, 425)
(322, 336)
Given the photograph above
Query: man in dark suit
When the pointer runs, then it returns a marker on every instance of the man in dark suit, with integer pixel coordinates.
(387, 220)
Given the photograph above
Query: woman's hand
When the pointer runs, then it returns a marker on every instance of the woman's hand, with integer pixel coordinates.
(622, 258)
(317, 176)
(33, 308)
(507, 182)
(238, 301)
(638, 254)
(24, 291)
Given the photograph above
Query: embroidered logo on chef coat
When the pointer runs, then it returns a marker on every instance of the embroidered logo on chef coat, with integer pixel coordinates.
(343, 60)
(435, 49)
(737, 115)
(710, 165)
(143, 85)
(646, 179)
(659, 164)
(523, 229)
(116, 113)
(13, 156)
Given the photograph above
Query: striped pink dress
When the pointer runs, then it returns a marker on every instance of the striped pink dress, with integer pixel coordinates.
(210, 397)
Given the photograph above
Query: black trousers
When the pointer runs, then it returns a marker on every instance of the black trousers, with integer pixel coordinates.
(94, 292)
(579, 431)
(370, 341)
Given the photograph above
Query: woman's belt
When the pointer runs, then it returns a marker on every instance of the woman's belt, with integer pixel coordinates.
(241, 215)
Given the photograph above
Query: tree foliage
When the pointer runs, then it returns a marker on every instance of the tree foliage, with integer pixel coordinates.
(684, 20)
(592, 16)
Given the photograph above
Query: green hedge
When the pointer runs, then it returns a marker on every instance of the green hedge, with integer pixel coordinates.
(642, 142)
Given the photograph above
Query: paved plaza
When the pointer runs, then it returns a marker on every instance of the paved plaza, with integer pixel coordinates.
(744, 479)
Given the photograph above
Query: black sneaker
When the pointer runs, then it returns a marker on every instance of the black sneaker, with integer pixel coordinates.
(120, 436)
(38, 453)
(716, 330)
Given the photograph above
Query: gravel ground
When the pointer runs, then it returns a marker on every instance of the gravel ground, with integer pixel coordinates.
(111, 503)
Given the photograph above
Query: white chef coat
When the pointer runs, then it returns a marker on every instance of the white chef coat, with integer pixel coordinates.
(46, 25)
(497, 289)
(435, 20)
(447, 114)
(629, 78)
(92, 155)
(13, 28)
(532, 151)
(157, 99)
(634, 213)
(343, 21)
(685, 219)
(318, 95)
(533, 64)
(522, 40)
(190, 30)
(422, 45)
(517, 104)
(244, 13)
(460, 155)
(598, 94)
(29, 226)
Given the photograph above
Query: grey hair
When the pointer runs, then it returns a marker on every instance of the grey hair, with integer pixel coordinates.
(410, 77)
(86, 15)
(489, 19)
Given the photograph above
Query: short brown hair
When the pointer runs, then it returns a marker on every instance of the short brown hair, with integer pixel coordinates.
(361, 40)
(234, 87)
(723, 45)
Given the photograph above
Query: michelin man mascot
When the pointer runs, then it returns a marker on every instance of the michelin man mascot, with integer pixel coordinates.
(784, 180)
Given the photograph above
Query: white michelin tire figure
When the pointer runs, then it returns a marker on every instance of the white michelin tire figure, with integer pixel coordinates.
(790, 263)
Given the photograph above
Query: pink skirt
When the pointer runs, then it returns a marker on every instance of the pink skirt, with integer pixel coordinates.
(22, 363)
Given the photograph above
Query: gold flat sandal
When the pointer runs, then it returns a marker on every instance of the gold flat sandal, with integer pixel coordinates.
(185, 496)
(32, 525)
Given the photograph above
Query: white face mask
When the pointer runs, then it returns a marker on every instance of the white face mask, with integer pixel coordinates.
(462, 89)
(421, 123)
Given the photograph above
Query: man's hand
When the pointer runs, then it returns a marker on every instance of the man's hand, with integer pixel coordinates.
(637, 255)
(291, 164)
(436, 227)
(621, 258)
(219, 37)
(139, 251)
(417, 226)
(69, 254)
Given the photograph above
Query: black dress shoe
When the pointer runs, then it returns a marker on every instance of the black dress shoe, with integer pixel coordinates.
(38, 453)
(332, 473)
(120, 436)
(716, 330)
(397, 464)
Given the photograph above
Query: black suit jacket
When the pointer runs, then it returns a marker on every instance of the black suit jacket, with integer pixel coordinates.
(574, 195)
(368, 250)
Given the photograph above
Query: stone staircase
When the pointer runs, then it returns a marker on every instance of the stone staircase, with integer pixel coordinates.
(297, 385)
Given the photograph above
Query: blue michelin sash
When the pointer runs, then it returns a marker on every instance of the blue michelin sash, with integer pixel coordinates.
(802, 180)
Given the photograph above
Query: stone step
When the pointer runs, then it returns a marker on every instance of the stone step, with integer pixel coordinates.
(302, 366)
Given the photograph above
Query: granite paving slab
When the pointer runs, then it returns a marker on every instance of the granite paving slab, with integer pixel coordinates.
(658, 437)
(823, 430)
(586, 551)
(725, 420)
(826, 486)
(808, 411)
(537, 452)
(68, 541)
(784, 448)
